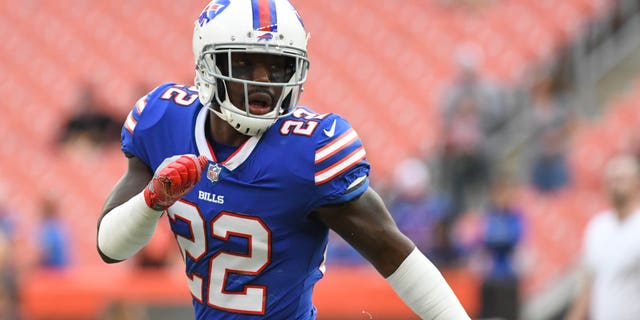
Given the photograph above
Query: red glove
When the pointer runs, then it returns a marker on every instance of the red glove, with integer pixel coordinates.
(172, 181)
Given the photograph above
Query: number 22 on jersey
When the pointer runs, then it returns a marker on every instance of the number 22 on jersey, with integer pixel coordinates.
(252, 300)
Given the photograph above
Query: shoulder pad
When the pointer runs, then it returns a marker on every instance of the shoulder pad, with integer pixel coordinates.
(338, 149)
(157, 101)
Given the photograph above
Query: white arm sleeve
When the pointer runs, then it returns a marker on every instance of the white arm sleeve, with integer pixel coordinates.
(421, 286)
(127, 228)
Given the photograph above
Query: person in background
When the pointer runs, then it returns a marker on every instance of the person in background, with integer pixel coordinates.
(53, 239)
(9, 283)
(446, 251)
(552, 125)
(417, 208)
(503, 232)
(90, 126)
(610, 284)
(472, 111)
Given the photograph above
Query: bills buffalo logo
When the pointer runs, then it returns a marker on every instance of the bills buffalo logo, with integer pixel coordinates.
(213, 172)
(265, 37)
(212, 10)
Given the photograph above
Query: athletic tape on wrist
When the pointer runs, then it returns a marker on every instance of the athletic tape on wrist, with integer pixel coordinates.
(421, 286)
(127, 228)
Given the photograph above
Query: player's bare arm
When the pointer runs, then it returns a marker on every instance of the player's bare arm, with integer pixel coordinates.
(133, 181)
(367, 225)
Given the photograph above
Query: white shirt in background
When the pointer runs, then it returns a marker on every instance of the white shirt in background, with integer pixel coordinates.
(612, 256)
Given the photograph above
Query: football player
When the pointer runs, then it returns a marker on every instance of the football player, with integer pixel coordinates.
(252, 182)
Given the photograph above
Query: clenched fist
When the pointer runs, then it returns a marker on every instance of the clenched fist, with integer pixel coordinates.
(173, 179)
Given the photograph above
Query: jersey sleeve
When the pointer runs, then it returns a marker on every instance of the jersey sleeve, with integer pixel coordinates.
(341, 171)
(143, 115)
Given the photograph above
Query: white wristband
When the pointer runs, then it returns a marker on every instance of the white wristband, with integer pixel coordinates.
(127, 228)
(421, 286)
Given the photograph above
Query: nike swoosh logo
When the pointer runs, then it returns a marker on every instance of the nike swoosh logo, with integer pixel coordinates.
(331, 130)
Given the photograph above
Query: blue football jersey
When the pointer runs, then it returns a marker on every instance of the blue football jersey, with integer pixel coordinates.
(250, 248)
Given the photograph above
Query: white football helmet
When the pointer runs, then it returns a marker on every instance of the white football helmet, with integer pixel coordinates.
(228, 27)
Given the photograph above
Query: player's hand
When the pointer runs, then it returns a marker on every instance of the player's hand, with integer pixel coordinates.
(173, 179)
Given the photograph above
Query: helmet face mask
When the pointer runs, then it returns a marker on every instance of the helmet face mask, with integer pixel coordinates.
(228, 51)
(232, 67)
(237, 64)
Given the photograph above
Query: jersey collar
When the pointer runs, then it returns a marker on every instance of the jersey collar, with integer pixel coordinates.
(235, 159)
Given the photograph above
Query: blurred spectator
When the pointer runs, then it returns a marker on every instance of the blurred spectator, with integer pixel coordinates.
(8, 265)
(552, 123)
(444, 252)
(471, 111)
(610, 287)
(7, 221)
(90, 125)
(503, 231)
(8, 283)
(416, 207)
(471, 84)
(53, 239)
(6, 291)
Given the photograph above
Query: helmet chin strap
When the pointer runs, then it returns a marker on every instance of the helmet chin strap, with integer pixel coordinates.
(217, 113)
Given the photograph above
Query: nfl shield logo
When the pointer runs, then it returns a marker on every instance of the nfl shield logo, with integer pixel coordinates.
(213, 172)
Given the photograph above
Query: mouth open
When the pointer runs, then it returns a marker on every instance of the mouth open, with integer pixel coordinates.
(260, 103)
